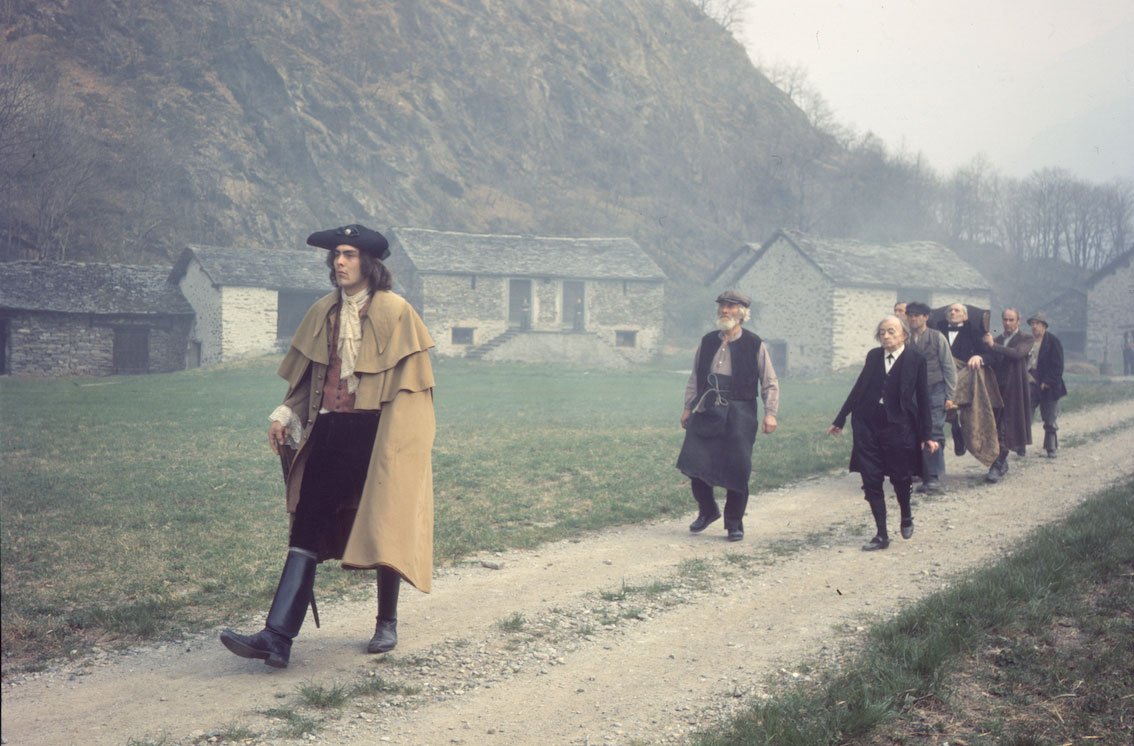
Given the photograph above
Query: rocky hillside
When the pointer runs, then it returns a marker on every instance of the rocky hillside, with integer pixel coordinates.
(250, 122)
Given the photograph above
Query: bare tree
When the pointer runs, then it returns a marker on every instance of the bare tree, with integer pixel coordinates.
(728, 13)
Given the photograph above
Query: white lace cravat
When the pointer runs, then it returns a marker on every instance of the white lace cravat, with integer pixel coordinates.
(350, 334)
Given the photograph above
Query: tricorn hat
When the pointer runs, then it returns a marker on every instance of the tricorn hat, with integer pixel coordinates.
(1039, 316)
(359, 236)
(734, 296)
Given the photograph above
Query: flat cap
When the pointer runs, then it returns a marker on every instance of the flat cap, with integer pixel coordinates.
(359, 236)
(734, 296)
(1039, 316)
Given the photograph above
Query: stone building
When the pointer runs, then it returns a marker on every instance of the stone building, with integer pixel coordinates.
(248, 301)
(1110, 311)
(593, 301)
(1067, 319)
(817, 301)
(79, 319)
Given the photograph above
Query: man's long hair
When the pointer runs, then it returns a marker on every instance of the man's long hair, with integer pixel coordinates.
(378, 274)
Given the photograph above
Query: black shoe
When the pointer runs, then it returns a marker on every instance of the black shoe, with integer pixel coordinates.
(907, 528)
(735, 534)
(703, 522)
(1051, 454)
(271, 647)
(1022, 451)
(878, 542)
(993, 474)
(385, 636)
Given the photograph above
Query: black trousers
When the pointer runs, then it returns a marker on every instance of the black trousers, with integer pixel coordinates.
(735, 503)
(340, 448)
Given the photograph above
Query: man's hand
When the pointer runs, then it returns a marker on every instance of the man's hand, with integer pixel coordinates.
(769, 423)
(975, 362)
(1044, 387)
(685, 415)
(987, 339)
(930, 445)
(949, 405)
(834, 430)
(278, 435)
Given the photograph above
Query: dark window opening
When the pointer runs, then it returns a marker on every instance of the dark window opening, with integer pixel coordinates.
(625, 338)
(463, 335)
(131, 351)
(291, 307)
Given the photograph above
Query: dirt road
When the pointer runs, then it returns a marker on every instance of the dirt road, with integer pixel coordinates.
(636, 635)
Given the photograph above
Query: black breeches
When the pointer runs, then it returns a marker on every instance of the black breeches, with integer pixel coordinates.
(341, 444)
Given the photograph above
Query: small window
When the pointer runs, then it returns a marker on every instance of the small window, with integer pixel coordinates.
(462, 335)
(624, 338)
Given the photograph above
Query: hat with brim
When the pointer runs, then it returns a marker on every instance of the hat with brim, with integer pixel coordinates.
(734, 296)
(1039, 316)
(359, 236)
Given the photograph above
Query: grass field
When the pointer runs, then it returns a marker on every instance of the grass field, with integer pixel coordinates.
(133, 507)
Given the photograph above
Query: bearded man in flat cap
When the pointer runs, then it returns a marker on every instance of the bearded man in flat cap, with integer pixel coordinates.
(354, 433)
(731, 366)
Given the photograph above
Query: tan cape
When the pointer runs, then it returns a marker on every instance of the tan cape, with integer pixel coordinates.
(394, 522)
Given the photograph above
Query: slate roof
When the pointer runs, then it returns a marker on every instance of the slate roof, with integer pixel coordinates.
(445, 252)
(846, 262)
(80, 287)
(275, 269)
(1122, 260)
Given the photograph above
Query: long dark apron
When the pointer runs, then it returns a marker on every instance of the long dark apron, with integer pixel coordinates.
(724, 461)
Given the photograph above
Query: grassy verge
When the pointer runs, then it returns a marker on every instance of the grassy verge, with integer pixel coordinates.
(135, 507)
(1036, 649)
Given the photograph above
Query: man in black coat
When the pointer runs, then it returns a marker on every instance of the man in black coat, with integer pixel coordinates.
(1045, 372)
(967, 344)
(891, 422)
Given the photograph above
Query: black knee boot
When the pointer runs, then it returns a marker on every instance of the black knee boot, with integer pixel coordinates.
(289, 607)
(386, 629)
(881, 539)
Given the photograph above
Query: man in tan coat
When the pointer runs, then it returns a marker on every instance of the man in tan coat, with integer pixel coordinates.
(360, 393)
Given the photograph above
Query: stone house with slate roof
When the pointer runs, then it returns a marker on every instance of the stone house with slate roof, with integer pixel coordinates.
(248, 301)
(816, 301)
(593, 301)
(1110, 312)
(74, 318)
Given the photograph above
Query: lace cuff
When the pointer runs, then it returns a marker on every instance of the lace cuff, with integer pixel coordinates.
(283, 415)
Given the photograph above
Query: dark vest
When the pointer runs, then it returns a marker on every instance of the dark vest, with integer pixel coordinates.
(745, 355)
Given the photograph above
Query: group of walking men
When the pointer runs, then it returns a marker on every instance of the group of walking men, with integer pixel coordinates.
(920, 376)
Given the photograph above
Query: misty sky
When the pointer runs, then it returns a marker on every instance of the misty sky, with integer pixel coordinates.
(1029, 84)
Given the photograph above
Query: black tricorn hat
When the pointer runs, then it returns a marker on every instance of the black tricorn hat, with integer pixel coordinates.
(359, 236)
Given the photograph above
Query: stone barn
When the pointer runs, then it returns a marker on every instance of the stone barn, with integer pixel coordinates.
(248, 301)
(592, 301)
(1110, 312)
(816, 301)
(80, 319)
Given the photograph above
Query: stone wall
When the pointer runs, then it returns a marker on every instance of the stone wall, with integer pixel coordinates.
(198, 289)
(462, 301)
(60, 344)
(791, 304)
(857, 313)
(248, 322)
(481, 304)
(1110, 313)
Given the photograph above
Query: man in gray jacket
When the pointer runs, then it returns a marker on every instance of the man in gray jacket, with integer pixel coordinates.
(942, 379)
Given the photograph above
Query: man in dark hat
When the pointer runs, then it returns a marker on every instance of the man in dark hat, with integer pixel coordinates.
(731, 366)
(1045, 376)
(355, 433)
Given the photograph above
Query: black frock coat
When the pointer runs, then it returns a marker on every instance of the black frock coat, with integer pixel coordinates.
(888, 438)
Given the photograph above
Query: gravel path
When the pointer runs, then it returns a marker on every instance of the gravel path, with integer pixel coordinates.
(642, 634)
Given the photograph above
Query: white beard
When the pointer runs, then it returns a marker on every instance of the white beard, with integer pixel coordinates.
(726, 323)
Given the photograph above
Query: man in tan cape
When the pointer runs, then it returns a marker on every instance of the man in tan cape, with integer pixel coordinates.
(359, 416)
